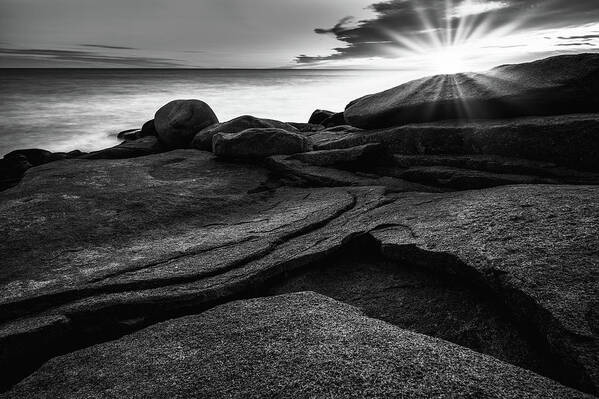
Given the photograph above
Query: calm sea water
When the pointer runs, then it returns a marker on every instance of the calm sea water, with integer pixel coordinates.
(63, 110)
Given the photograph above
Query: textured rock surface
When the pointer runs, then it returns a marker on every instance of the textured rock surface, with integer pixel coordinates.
(129, 149)
(301, 345)
(569, 140)
(177, 122)
(553, 86)
(96, 249)
(259, 143)
(203, 139)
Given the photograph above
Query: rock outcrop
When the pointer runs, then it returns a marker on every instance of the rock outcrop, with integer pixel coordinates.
(259, 143)
(178, 121)
(141, 240)
(203, 139)
(569, 140)
(469, 249)
(553, 86)
(299, 345)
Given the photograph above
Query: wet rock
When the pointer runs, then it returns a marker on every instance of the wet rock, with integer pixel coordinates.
(300, 345)
(259, 143)
(148, 129)
(128, 135)
(203, 139)
(553, 86)
(129, 149)
(568, 140)
(178, 121)
(319, 116)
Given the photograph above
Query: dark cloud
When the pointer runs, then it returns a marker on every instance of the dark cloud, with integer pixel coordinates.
(91, 57)
(108, 47)
(584, 37)
(398, 21)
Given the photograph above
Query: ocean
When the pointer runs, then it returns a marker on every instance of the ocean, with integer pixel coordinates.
(84, 109)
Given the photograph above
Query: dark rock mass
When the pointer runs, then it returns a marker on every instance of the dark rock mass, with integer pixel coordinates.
(298, 345)
(334, 120)
(178, 121)
(148, 129)
(320, 116)
(553, 86)
(259, 143)
(203, 139)
(129, 149)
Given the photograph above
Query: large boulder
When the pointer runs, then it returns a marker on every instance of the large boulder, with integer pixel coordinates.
(259, 143)
(177, 122)
(300, 345)
(203, 139)
(553, 86)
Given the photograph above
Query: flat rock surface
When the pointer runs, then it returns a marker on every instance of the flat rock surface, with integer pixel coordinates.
(95, 246)
(300, 345)
(553, 86)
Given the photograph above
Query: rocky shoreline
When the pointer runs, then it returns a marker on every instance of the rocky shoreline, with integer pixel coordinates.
(438, 239)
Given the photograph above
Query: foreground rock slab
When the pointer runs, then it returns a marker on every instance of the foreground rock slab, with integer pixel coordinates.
(95, 249)
(299, 345)
(553, 86)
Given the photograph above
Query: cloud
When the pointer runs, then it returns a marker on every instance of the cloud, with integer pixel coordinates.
(91, 58)
(398, 22)
(108, 47)
(584, 37)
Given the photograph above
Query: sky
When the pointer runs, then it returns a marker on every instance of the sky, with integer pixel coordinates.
(438, 35)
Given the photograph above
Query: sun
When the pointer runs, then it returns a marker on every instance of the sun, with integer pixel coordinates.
(448, 61)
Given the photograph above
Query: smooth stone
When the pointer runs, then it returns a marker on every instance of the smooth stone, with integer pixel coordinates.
(259, 143)
(203, 139)
(319, 116)
(288, 346)
(178, 121)
(553, 86)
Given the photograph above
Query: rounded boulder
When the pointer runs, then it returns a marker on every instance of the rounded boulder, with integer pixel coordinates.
(259, 143)
(177, 122)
